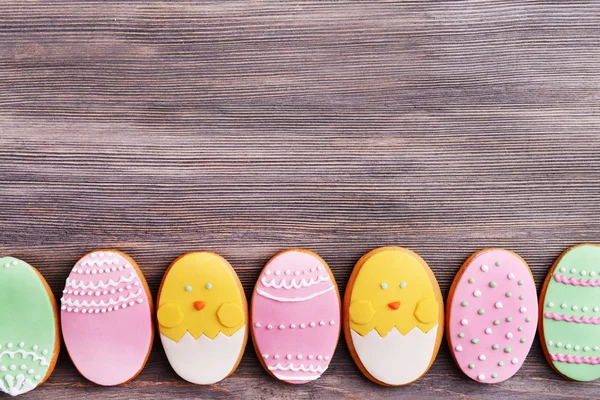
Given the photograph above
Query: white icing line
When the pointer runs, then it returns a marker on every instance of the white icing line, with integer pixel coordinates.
(99, 263)
(24, 354)
(21, 386)
(293, 284)
(297, 378)
(100, 284)
(301, 367)
(293, 299)
(111, 302)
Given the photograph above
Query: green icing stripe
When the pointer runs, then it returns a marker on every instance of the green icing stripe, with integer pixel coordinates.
(575, 335)
(27, 343)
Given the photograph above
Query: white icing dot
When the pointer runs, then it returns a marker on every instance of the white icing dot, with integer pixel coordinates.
(127, 266)
(113, 291)
(550, 342)
(584, 308)
(63, 308)
(464, 322)
(277, 272)
(90, 293)
(509, 335)
(488, 331)
(596, 348)
(568, 346)
(523, 310)
(103, 310)
(596, 309)
(498, 305)
(13, 367)
(131, 303)
(110, 309)
(320, 268)
(312, 324)
(105, 292)
(573, 270)
(481, 377)
(293, 326)
(2, 368)
(586, 348)
(30, 372)
(310, 357)
(98, 293)
(322, 323)
(101, 254)
(289, 356)
(477, 293)
(514, 360)
(550, 304)
(482, 357)
(269, 326)
(299, 356)
(79, 271)
(319, 357)
(22, 344)
(76, 310)
(74, 269)
(458, 348)
(302, 326)
(511, 276)
(327, 358)
(120, 290)
(592, 273)
(84, 311)
(37, 377)
(87, 271)
(257, 324)
(312, 269)
(583, 273)
(281, 327)
(562, 269)
(69, 309)
(94, 272)
(574, 308)
(332, 322)
(287, 272)
(484, 268)
(265, 356)
(276, 356)
(296, 273)
(267, 272)
(23, 367)
(113, 269)
(128, 287)
(122, 306)
(101, 270)
(563, 305)
(577, 348)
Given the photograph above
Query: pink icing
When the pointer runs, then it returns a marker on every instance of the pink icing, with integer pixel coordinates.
(576, 282)
(575, 359)
(581, 320)
(107, 343)
(293, 353)
(497, 304)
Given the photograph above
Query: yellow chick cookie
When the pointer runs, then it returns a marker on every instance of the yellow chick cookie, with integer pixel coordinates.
(200, 295)
(202, 316)
(393, 312)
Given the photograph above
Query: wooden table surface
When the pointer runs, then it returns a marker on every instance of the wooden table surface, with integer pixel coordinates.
(247, 127)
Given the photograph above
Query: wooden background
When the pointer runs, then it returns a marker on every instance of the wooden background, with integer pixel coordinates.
(247, 127)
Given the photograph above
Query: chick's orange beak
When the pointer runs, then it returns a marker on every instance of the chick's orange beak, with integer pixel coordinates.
(199, 305)
(394, 305)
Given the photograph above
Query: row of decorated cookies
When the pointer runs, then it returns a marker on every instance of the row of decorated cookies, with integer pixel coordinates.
(392, 311)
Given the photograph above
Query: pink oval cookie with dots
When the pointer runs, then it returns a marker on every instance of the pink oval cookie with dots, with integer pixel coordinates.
(295, 316)
(492, 315)
(106, 313)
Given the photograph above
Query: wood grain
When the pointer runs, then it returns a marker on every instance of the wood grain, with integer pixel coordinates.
(247, 127)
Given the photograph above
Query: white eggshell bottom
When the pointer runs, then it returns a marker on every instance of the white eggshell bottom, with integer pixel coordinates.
(395, 359)
(204, 361)
(16, 385)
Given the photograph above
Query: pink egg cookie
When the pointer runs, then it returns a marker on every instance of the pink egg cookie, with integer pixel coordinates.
(107, 322)
(295, 316)
(492, 315)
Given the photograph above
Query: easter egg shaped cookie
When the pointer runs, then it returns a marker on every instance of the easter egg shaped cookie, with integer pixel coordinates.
(107, 317)
(492, 315)
(570, 313)
(203, 317)
(29, 336)
(393, 316)
(295, 316)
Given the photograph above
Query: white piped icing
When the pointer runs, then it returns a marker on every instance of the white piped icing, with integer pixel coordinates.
(100, 285)
(293, 284)
(301, 367)
(93, 303)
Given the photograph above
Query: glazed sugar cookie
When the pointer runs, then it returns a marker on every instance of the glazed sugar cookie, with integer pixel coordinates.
(570, 313)
(393, 316)
(492, 315)
(295, 316)
(203, 317)
(106, 312)
(29, 337)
